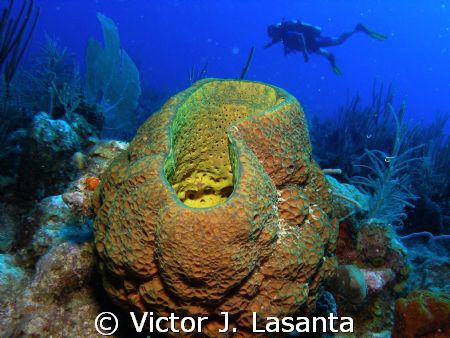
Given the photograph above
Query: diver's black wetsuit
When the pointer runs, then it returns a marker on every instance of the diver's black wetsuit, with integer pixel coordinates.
(303, 37)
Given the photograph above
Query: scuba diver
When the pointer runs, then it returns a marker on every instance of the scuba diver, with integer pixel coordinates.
(303, 37)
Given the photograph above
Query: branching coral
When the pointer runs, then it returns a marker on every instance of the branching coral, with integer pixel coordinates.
(343, 139)
(339, 140)
(53, 83)
(389, 179)
(15, 34)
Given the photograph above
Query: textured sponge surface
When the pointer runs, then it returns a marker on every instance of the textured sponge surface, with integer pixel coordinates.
(218, 206)
(202, 170)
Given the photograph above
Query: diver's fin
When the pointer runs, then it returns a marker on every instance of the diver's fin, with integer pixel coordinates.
(337, 70)
(371, 33)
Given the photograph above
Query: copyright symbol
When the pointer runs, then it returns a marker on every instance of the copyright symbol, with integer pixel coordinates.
(103, 327)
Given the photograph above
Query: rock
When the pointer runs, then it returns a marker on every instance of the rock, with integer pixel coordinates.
(93, 115)
(57, 223)
(348, 199)
(376, 280)
(87, 133)
(422, 314)
(78, 201)
(64, 269)
(11, 152)
(8, 229)
(429, 257)
(53, 214)
(378, 245)
(59, 301)
(108, 149)
(78, 196)
(7, 183)
(46, 166)
(12, 277)
(79, 160)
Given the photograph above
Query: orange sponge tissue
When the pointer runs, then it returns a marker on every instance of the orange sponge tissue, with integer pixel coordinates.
(217, 206)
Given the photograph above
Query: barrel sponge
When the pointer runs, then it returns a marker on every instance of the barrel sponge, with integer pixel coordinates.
(217, 205)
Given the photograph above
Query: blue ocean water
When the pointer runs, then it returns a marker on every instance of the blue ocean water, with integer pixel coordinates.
(388, 160)
(166, 38)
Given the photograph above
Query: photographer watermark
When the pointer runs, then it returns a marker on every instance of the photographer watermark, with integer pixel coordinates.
(107, 323)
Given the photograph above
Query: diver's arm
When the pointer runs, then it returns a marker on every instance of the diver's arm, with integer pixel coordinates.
(302, 43)
(294, 41)
(271, 43)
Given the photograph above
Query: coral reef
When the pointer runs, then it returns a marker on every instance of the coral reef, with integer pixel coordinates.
(8, 229)
(16, 31)
(376, 245)
(58, 300)
(408, 172)
(51, 216)
(79, 193)
(11, 152)
(218, 206)
(49, 282)
(12, 277)
(406, 181)
(373, 270)
(428, 255)
(349, 201)
(35, 226)
(39, 174)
